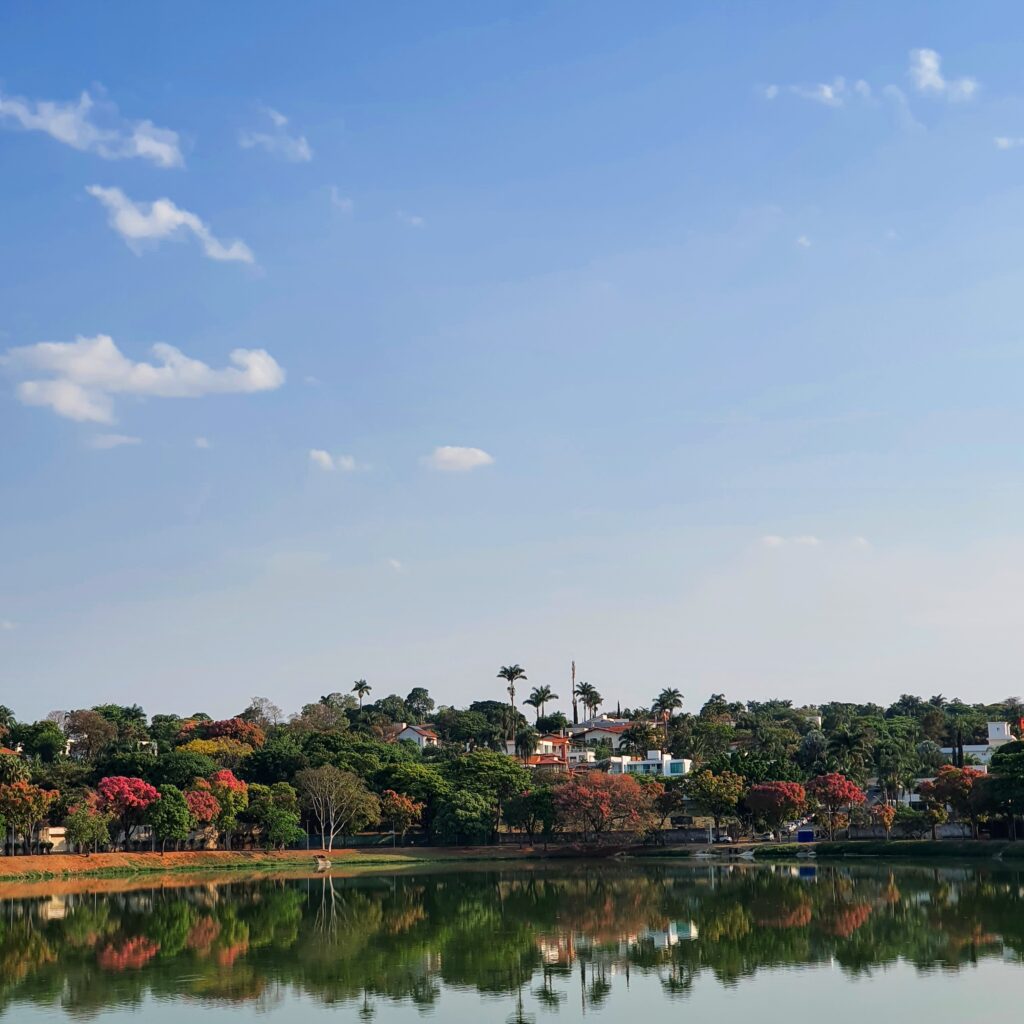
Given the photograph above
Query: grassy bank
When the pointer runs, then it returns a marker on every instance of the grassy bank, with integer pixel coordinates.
(113, 865)
(899, 849)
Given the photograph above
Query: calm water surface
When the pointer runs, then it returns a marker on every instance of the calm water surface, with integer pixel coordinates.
(750, 943)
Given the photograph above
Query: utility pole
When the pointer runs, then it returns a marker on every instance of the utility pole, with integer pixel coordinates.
(575, 712)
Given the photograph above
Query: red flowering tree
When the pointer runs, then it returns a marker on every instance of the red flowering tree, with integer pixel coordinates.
(776, 802)
(202, 803)
(226, 728)
(402, 811)
(833, 793)
(595, 804)
(24, 807)
(232, 795)
(952, 788)
(125, 799)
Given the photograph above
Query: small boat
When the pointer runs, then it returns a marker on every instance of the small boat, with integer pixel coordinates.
(322, 863)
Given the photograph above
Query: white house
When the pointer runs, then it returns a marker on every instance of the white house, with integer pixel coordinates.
(603, 733)
(998, 735)
(655, 763)
(419, 734)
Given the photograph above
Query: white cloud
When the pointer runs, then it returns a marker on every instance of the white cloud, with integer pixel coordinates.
(161, 219)
(202, 442)
(453, 459)
(325, 460)
(803, 241)
(831, 94)
(1008, 141)
(806, 540)
(85, 374)
(104, 441)
(278, 141)
(6, 626)
(412, 220)
(75, 124)
(395, 564)
(770, 92)
(340, 202)
(926, 74)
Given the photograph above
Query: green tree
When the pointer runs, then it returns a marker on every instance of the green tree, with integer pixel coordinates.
(717, 796)
(86, 829)
(169, 817)
(419, 703)
(464, 817)
(180, 768)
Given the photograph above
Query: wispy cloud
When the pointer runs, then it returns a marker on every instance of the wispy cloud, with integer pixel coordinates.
(926, 75)
(806, 540)
(803, 242)
(89, 127)
(1008, 141)
(325, 460)
(278, 140)
(105, 441)
(6, 625)
(83, 376)
(340, 202)
(412, 220)
(453, 459)
(829, 94)
(202, 442)
(395, 564)
(139, 223)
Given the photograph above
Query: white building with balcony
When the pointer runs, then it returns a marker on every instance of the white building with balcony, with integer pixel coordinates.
(655, 763)
(999, 734)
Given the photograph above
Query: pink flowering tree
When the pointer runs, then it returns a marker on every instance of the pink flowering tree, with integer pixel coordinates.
(125, 800)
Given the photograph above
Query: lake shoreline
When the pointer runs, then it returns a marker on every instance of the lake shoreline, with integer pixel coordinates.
(113, 865)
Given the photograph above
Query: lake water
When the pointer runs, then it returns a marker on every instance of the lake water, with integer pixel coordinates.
(615, 942)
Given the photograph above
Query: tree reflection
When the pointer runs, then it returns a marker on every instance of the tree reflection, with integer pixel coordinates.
(543, 939)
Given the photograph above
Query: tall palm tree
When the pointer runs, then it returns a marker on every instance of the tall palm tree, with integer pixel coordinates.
(511, 673)
(539, 696)
(589, 698)
(668, 701)
(361, 689)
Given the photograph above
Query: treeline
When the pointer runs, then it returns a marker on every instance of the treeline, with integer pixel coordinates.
(259, 776)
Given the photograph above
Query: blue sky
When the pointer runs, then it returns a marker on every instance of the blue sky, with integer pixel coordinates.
(681, 340)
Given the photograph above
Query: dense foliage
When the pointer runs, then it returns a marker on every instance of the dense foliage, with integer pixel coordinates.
(103, 771)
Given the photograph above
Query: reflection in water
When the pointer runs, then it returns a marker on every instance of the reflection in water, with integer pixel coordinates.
(549, 939)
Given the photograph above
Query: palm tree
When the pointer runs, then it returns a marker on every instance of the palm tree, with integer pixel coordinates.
(667, 701)
(589, 698)
(510, 673)
(361, 689)
(539, 696)
(526, 741)
(848, 749)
